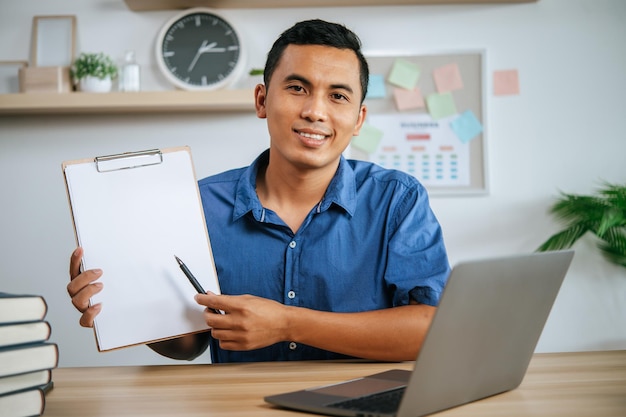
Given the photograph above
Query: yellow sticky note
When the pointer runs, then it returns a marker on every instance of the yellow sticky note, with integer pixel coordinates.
(368, 139)
(404, 74)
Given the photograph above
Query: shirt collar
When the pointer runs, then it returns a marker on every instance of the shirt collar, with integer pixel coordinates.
(341, 191)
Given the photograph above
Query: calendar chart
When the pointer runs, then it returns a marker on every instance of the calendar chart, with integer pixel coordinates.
(422, 147)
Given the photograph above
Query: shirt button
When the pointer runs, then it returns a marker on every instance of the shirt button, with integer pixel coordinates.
(292, 244)
(291, 294)
(293, 345)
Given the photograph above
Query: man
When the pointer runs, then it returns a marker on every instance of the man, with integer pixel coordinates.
(318, 257)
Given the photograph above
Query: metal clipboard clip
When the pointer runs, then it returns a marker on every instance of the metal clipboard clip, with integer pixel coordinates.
(128, 160)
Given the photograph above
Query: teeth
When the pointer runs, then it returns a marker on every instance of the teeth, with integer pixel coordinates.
(312, 136)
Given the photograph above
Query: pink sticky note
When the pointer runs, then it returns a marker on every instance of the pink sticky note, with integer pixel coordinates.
(505, 83)
(448, 78)
(408, 99)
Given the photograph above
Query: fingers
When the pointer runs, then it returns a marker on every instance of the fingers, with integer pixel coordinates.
(75, 260)
(80, 300)
(249, 323)
(216, 306)
(86, 320)
(82, 287)
(210, 300)
(82, 295)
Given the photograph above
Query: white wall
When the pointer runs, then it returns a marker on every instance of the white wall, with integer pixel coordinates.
(564, 132)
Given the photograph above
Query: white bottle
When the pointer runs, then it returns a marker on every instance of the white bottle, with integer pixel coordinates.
(129, 73)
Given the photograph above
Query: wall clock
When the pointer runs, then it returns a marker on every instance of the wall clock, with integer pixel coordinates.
(199, 49)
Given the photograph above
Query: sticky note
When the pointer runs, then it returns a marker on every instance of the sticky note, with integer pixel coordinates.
(448, 78)
(441, 105)
(404, 74)
(368, 139)
(466, 126)
(376, 86)
(408, 99)
(505, 83)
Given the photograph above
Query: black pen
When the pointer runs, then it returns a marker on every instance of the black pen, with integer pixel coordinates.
(193, 280)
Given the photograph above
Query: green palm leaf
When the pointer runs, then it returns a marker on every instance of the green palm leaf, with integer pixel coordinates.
(614, 245)
(563, 239)
(603, 214)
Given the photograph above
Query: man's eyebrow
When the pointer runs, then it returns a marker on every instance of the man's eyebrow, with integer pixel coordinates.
(296, 77)
(305, 81)
(345, 87)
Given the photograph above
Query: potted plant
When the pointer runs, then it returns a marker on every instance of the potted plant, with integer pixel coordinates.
(94, 72)
(602, 214)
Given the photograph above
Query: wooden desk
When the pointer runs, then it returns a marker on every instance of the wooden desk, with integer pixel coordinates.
(564, 384)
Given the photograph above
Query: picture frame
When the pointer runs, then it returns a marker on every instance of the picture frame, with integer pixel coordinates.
(9, 76)
(53, 41)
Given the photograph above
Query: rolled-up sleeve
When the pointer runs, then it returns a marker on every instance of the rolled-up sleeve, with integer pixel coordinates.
(417, 262)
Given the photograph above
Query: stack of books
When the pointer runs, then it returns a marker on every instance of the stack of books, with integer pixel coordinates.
(27, 357)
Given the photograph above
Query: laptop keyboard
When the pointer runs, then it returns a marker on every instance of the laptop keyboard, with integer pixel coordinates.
(381, 402)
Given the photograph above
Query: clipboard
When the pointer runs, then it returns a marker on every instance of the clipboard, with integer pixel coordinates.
(132, 213)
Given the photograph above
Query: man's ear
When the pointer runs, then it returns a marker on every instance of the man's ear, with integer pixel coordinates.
(360, 120)
(260, 94)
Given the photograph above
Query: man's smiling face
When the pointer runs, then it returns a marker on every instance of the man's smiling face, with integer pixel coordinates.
(313, 105)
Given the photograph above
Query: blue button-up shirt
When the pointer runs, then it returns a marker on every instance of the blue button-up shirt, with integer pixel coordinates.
(371, 243)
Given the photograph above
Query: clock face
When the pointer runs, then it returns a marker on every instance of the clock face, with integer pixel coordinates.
(199, 50)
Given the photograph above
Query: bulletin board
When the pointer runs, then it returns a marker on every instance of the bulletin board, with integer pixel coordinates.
(426, 116)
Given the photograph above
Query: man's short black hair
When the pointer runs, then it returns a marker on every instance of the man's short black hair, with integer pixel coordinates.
(317, 32)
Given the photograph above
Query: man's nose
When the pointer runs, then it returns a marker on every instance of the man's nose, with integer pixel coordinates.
(315, 108)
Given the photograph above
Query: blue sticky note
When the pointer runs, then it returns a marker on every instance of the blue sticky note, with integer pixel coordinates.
(466, 126)
(368, 139)
(376, 86)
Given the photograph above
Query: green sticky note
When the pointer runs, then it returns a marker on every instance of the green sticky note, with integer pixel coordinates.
(441, 105)
(368, 139)
(404, 74)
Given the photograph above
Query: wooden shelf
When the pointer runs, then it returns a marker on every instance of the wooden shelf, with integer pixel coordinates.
(116, 102)
(142, 5)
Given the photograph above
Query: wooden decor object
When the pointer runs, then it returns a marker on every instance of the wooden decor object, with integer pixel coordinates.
(45, 80)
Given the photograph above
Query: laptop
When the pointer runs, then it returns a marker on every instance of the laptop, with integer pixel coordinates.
(481, 340)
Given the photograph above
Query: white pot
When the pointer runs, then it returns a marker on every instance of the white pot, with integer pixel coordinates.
(91, 84)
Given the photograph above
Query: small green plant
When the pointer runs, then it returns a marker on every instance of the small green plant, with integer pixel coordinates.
(603, 214)
(96, 65)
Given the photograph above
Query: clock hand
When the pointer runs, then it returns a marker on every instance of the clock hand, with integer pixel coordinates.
(203, 49)
(211, 48)
(200, 51)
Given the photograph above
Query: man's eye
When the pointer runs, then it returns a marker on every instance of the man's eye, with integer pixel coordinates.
(296, 88)
(338, 96)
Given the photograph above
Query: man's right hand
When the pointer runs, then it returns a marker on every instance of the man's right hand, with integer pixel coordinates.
(82, 287)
